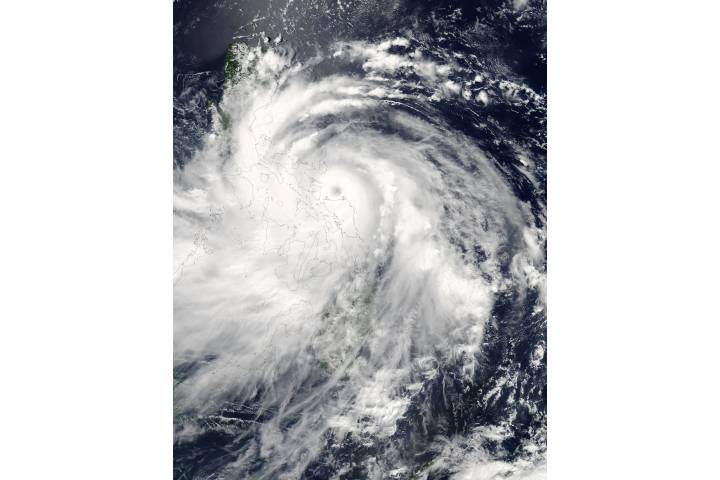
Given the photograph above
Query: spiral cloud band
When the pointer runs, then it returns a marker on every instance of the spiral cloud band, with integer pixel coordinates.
(341, 251)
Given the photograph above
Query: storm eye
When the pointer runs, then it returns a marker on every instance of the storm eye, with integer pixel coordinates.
(335, 191)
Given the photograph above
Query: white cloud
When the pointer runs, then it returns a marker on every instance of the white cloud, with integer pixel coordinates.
(282, 223)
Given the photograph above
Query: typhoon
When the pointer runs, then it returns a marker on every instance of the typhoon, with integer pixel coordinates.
(359, 240)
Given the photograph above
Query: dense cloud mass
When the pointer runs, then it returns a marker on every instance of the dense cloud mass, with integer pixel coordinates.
(359, 281)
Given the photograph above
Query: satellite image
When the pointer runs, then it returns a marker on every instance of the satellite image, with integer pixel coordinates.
(359, 239)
